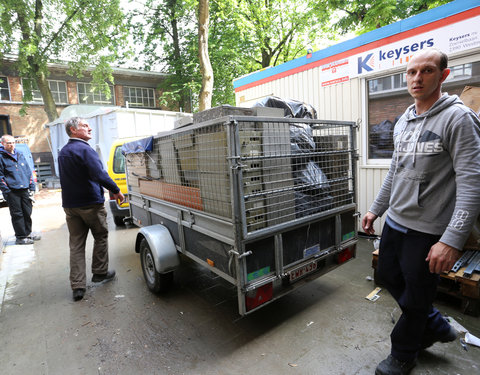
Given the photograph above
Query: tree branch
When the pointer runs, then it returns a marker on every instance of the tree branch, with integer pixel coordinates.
(38, 18)
(64, 24)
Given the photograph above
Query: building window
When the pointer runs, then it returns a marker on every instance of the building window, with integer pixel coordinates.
(4, 91)
(59, 91)
(388, 99)
(87, 95)
(57, 88)
(394, 82)
(139, 96)
(464, 71)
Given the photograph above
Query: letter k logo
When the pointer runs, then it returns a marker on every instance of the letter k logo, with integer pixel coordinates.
(362, 64)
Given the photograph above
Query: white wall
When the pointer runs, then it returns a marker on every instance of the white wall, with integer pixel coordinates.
(117, 123)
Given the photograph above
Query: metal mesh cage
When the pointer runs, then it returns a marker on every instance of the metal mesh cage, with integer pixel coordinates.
(280, 169)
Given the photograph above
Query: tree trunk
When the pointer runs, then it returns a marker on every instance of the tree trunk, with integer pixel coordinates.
(48, 102)
(42, 83)
(266, 58)
(184, 102)
(205, 97)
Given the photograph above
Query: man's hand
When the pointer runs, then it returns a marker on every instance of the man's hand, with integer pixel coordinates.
(367, 222)
(442, 257)
(119, 197)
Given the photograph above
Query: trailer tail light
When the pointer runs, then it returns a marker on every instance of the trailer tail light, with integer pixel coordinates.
(346, 254)
(256, 297)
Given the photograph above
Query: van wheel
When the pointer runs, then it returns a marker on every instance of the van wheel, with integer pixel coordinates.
(157, 282)
(118, 220)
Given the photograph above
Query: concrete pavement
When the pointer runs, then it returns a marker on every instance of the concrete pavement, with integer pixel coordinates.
(326, 327)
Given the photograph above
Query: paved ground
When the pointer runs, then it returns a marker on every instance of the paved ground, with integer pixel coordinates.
(326, 327)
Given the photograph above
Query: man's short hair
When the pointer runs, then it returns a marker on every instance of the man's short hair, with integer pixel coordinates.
(5, 136)
(74, 122)
(443, 60)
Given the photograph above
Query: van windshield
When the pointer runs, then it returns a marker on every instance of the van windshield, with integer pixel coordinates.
(118, 160)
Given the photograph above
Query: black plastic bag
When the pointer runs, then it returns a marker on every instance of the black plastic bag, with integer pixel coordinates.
(292, 108)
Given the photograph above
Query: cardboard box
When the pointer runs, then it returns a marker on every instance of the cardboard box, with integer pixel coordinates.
(221, 111)
(471, 98)
(182, 195)
(187, 153)
(168, 161)
(184, 121)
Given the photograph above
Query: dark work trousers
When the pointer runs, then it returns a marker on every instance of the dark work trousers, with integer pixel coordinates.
(404, 272)
(20, 206)
(80, 221)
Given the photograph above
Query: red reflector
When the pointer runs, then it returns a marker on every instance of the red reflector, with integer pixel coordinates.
(258, 296)
(346, 254)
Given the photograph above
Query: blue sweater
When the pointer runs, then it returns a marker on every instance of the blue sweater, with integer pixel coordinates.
(82, 175)
(15, 173)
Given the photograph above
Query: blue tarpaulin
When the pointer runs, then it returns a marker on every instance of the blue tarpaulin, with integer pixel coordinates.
(140, 145)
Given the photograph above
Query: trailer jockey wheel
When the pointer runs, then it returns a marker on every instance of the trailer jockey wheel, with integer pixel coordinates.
(156, 282)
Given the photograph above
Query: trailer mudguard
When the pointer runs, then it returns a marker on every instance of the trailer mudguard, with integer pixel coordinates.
(162, 246)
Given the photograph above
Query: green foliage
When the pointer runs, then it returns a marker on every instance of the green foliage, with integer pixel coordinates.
(245, 35)
(85, 32)
(248, 35)
(281, 30)
(361, 16)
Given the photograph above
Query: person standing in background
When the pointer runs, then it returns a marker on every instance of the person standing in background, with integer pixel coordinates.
(18, 186)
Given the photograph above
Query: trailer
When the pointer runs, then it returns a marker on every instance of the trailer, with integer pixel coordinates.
(266, 203)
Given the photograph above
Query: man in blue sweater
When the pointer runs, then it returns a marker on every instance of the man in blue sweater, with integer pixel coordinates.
(83, 179)
(16, 183)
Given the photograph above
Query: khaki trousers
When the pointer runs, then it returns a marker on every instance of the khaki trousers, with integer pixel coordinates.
(79, 221)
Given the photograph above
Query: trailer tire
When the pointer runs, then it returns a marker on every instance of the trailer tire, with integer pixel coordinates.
(118, 220)
(157, 282)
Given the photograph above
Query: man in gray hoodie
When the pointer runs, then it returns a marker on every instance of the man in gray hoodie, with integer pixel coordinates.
(432, 193)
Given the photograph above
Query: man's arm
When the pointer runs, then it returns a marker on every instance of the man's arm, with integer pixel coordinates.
(98, 174)
(119, 197)
(463, 144)
(442, 257)
(3, 183)
(367, 222)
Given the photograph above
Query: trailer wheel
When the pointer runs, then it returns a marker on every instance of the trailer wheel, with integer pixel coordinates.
(118, 220)
(157, 282)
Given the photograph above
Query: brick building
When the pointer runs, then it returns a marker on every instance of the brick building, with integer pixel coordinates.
(135, 88)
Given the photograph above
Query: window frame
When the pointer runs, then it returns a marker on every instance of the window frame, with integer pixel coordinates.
(5, 79)
(118, 164)
(137, 104)
(39, 99)
(366, 95)
(101, 94)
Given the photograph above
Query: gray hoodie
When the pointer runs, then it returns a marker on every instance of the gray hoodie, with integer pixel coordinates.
(433, 184)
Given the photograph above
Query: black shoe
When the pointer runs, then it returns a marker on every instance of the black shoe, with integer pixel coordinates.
(451, 335)
(78, 294)
(23, 241)
(98, 278)
(392, 366)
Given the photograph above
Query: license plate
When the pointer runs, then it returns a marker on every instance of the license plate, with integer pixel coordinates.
(302, 271)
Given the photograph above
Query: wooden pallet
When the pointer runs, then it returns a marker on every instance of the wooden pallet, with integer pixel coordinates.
(466, 290)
